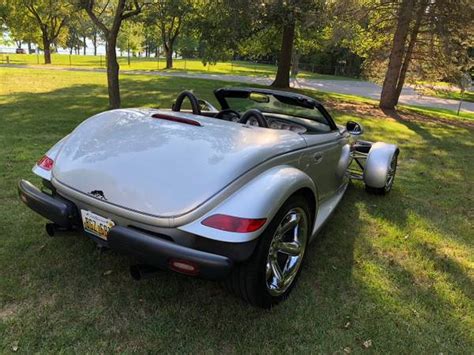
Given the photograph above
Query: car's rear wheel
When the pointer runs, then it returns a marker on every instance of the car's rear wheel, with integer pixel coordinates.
(272, 271)
(392, 170)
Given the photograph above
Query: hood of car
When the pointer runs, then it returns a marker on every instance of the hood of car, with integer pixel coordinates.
(159, 166)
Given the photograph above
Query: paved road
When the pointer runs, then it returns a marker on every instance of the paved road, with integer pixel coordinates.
(367, 89)
(352, 87)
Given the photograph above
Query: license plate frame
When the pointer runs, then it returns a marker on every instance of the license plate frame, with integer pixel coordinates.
(96, 225)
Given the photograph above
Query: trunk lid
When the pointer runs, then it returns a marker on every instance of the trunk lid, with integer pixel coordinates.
(160, 167)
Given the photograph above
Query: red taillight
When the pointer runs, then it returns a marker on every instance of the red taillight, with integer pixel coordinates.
(45, 163)
(176, 119)
(234, 224)
(184, 266)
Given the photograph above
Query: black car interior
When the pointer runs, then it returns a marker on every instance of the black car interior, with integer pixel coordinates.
(256, 117)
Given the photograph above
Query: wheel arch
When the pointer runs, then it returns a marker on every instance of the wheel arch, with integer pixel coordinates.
(262, 197)
(310, 198)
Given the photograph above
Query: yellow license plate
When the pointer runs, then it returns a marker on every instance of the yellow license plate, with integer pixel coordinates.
(96, 225)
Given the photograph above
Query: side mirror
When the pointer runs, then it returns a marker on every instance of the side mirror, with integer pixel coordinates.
(354, 128)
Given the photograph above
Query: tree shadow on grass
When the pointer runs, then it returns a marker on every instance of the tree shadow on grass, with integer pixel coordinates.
(445, 162)
(456, 274)
(74, 104)
(416, 299)
(433, 174)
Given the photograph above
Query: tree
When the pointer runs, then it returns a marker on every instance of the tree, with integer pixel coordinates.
(151, 39)
(291, 15)
(15, 19)
(109, 25)
(400, 54)
(130, 37)
(51, 18)
(262, 45)
(238, 20)
(231, 23)
(73, 42)
(84, 29)
(169, 16)
(282, 79)
(4, 12)
(95, 36)
(411, 40)
(432, 31)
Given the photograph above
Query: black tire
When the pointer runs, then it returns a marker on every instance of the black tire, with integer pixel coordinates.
(388, 184)
(248, 280)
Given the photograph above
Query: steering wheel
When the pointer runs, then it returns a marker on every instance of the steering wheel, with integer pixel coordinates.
(192, 99)
(254, 113)
(221, 114)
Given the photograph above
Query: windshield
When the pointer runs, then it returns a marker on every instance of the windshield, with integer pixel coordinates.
(280, 105)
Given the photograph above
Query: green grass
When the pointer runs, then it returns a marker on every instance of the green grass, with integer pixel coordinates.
(447, 94)
(398, 270)
(152, 64)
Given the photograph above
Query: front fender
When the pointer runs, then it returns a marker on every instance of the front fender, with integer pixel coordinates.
(262, 197)
(378, 163)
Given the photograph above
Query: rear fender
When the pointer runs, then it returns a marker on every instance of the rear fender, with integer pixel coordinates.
(378, 163)
(262, 197)
(52, 153)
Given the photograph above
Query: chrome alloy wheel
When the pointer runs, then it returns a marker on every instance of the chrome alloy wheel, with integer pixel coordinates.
(286, 251)
(391, 173)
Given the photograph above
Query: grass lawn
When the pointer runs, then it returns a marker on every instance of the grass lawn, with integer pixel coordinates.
(447, 94)
(152, 64)
(395, 270)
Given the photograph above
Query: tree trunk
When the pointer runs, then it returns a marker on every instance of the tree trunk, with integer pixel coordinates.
(29, 47)
(128, 54)
(46, 49)
(94, 42)
(282, 79)
(113, 72)
(411, 47)
(85, 46)
(169, 56)
(389, 97)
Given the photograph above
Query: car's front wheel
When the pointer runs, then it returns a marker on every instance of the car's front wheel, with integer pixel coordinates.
(271, 272)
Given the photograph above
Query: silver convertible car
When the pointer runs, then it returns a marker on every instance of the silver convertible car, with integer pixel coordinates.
(233, 194)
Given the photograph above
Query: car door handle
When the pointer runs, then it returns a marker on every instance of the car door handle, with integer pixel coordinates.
(318, 157)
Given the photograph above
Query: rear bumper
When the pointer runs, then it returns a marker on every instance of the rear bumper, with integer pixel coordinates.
(148, 247)
(54, 208)
(159, 252)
